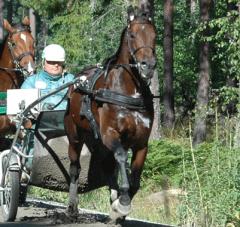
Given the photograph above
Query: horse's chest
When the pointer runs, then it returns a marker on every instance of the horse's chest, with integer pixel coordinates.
(134, 122)
(141, 120)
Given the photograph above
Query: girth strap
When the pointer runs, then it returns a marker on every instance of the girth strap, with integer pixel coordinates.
(86, 111)
(108, 96)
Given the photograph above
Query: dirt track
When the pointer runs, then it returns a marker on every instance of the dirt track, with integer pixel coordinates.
(42, 214)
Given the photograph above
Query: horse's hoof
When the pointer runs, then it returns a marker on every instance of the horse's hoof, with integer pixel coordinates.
(115, 219)
(123, 210)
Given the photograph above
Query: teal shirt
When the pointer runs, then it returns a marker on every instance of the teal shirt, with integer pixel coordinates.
(47, 83)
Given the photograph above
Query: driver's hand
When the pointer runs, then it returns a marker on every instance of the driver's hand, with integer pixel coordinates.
(27, 124)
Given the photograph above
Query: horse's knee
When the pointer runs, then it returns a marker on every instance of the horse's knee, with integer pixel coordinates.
(120, 155)
(74, 171)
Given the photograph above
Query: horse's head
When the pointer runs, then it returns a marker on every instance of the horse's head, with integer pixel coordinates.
(21, 46)
(141, 37)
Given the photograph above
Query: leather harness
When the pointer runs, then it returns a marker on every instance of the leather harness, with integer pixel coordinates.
(104, 96)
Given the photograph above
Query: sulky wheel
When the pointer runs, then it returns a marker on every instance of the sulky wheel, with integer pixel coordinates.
(23, 194)
(10, 195)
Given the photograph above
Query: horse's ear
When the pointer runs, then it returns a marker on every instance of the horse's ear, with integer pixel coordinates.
(130, 13)
(26, 21)
(7, 26)
(144, 11)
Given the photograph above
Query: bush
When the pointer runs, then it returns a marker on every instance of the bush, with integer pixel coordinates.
(209, 174)
(212, 187)
(164, 162)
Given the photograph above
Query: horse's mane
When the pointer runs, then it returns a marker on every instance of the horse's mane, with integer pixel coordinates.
(112, 59)
(21, 27)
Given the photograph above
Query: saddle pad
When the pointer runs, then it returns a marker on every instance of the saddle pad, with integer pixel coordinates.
(3, 102)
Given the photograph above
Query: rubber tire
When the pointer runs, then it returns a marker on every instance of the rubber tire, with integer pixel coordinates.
(10, 211)
(23, 194)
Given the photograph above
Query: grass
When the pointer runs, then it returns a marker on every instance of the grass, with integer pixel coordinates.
(208, 173)
(143, 207)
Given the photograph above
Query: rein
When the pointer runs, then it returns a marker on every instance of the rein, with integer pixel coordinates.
(10, 69)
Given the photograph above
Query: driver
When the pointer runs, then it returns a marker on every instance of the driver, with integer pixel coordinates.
(51, 77)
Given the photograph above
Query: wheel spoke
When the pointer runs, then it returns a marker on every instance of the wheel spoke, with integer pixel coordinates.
(10, 195)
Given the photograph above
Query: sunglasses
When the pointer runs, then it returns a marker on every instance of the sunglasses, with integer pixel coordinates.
(55, 63)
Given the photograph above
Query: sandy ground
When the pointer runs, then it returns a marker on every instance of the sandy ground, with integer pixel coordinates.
(43, 214)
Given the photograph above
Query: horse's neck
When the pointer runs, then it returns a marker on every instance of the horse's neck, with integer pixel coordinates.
(122, 78)
(124, 54)
(6, 60)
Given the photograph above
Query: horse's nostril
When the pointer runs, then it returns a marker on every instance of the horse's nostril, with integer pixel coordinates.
(143, 65)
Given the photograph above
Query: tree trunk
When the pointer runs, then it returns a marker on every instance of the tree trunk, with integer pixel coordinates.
(156, 129)
(191, 6)
(232, 79)
(199, 133)
(168, 95)
(237, 127)
(9, 11)
(43, 35)
(1, 20)
(70, 4)
(93, 4)
(32, 23)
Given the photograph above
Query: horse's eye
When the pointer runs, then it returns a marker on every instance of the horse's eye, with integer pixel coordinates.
(13, 45)
(132, 35)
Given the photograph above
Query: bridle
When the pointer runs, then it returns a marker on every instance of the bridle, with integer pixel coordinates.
(141, 67)
(17, 59)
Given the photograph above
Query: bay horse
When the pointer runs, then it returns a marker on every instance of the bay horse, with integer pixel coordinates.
(16, 62)
(111, 111)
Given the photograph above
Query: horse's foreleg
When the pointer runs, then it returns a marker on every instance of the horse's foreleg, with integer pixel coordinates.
(74, 171)
(122, 205)
(137, 164)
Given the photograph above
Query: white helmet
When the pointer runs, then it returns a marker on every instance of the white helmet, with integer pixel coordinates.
(53, 52)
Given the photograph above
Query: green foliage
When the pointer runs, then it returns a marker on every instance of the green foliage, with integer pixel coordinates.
(217, 198)
(88, 34)
(44, 7)
(91, 34)
(71, 31)
(212, 202)
(164, 160)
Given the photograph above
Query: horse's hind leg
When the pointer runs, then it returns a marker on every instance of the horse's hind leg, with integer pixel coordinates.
(137, 163)
(74, 171)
